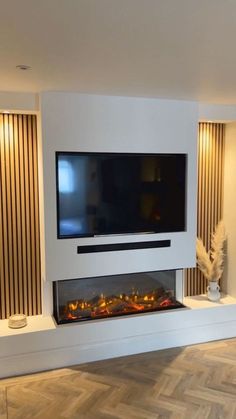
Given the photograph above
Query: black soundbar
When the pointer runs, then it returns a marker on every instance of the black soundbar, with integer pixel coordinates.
(123, 246)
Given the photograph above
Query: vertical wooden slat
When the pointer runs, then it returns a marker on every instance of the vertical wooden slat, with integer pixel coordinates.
(22, 217)
(32, 217)
(8, 232)
(210, 194)
(13, 254)
(20, 275)
(36, 211)
(4, 220)
(18, 212)
(27, 213)
(2, 257)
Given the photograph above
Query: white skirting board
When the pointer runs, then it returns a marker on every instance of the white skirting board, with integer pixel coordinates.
(43, 345)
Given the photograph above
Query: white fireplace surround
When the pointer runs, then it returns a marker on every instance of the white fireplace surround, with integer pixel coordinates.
(70, 121)
(43, 345)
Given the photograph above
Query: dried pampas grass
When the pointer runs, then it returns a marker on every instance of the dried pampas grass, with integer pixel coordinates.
(203, 260)
(211, 263)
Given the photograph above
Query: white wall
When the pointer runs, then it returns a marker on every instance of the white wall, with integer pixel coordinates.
(229, 208)
(19, 102)
(76, 122)
(216, 113)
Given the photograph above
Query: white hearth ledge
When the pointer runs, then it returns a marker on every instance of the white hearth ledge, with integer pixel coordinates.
(43, 345)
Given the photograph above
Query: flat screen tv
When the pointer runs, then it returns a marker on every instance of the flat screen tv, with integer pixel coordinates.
(119, 193)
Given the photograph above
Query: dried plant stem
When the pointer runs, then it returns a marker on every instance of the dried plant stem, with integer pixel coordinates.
(211, 264)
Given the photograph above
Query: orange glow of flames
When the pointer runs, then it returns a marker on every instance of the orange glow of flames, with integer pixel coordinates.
(166, 303)
(123, 304)
(72, 306)
(70, 317)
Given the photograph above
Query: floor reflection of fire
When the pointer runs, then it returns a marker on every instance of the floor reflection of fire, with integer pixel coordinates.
(105, 306)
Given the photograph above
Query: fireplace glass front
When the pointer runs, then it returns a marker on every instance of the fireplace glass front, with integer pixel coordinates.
(108, 296)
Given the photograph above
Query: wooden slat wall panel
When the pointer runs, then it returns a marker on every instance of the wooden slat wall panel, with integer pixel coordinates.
(20, 276)
(210, 194)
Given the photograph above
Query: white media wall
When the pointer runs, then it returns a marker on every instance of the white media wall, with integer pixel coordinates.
(76, 122)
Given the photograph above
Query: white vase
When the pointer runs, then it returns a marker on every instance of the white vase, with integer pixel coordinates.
(213, 291)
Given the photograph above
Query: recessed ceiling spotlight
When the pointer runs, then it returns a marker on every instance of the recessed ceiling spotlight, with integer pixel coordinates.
(23, 67)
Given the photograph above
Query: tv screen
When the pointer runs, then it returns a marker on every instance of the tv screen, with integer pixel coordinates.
(117, 193)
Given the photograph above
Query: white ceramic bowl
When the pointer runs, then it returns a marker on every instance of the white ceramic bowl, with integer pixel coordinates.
(16, 321)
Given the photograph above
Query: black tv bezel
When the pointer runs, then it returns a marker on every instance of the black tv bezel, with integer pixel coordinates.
(99, 153)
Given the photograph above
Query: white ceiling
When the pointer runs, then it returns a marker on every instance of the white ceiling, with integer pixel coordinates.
(183, 49)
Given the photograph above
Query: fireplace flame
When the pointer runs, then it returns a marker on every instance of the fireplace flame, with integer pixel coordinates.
(113, 305)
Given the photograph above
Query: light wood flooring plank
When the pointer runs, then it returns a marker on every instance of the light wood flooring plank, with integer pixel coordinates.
(197, 382)
(3, 404)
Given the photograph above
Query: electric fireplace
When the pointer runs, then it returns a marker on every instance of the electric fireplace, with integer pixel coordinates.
(117, 295)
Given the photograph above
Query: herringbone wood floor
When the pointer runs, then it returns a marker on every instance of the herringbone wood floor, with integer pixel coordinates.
(197, 382)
